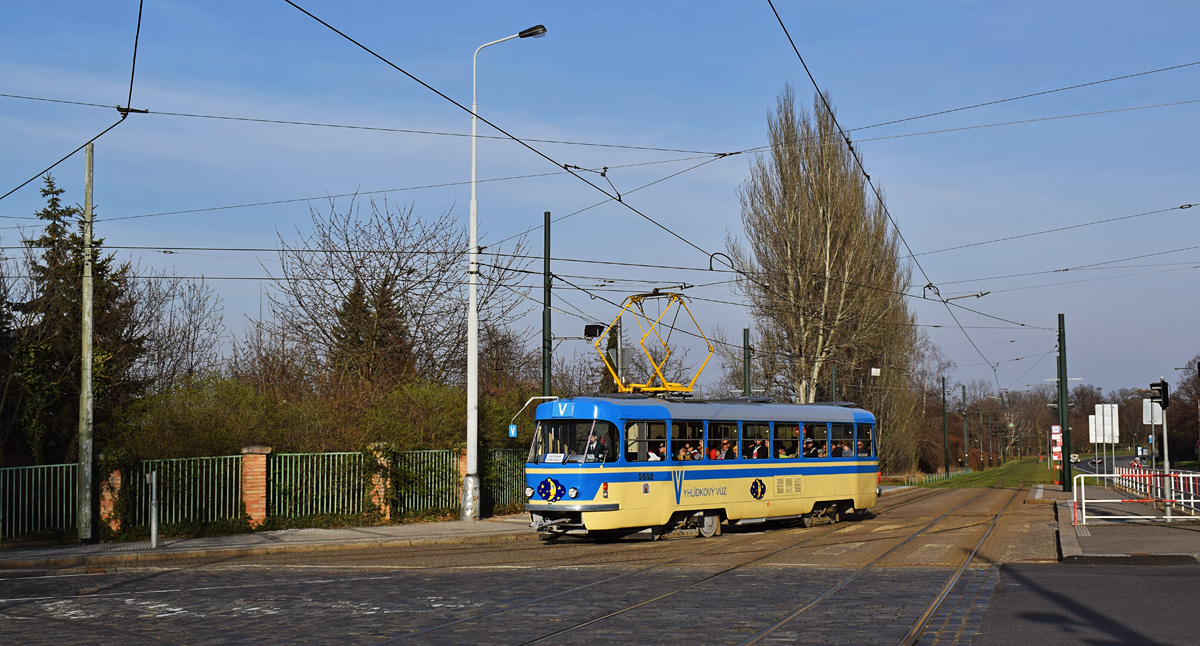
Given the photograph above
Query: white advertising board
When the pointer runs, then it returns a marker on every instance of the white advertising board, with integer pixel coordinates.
(1113, 426)
(1103, 425)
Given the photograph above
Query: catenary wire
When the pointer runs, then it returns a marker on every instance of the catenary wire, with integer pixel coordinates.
(867, 177)
(132, 71)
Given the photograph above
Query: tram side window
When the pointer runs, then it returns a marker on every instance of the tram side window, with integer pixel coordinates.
(816, 440)
(574, 441)
(645, 441)
(865, 445)
(756, 440)
(722, 440)
(687, 440)
(841, 439)
(787, 439)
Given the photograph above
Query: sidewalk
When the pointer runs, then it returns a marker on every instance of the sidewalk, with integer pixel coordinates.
(1151, 542)
(503, 528)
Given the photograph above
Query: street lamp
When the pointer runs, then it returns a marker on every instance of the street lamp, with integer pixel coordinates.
(470, 487)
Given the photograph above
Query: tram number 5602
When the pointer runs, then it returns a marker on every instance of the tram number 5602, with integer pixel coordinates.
(645, 476)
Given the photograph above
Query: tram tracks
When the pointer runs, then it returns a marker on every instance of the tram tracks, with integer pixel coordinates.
(918, 627)
(818, 533)
(911, 637)
(669, 580)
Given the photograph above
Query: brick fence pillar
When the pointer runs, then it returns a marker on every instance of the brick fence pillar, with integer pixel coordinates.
(254, 483)
(381, 480)
(109, 490)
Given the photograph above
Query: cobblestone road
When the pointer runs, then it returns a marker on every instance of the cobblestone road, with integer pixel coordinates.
(717, 591)
(351, 606)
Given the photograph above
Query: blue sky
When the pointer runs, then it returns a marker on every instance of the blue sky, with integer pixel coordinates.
(694, 76)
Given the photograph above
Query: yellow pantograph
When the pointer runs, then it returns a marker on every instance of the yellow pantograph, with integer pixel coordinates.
(656, 382)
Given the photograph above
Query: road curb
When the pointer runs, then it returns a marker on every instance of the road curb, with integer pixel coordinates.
(1068, 540)
(143, 557)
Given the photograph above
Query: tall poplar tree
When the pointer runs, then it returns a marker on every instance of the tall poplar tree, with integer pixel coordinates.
(823, 273)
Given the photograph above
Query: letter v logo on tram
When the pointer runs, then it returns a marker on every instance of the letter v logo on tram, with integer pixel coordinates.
(564, 409)
(677, 480)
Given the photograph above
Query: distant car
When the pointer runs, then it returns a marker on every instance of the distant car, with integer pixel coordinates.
(1074, 457)
(1095, 461)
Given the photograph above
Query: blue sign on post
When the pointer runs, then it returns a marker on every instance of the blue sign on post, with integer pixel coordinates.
(512, 430)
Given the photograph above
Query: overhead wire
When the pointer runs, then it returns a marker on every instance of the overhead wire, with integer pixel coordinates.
(651, 148)
(1056, 230)
(132, 71)
(867, 177)
(497, 128)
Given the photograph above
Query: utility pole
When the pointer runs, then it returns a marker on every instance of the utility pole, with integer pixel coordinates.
(945, 431)
(547, 339)
(1064, 416)
(84, 511)
(981, 439)
(966, 447)
(745, 362)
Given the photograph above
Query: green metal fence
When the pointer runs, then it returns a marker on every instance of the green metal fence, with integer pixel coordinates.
(190, 490)
(312, 484)
(43, 498)
(504, 478)
(427, 481)
(926, 478)
(37, 499)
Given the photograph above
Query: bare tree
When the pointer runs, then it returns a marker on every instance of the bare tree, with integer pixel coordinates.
(183, 325)
(422, 263)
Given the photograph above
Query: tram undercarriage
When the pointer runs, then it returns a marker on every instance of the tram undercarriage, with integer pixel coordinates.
(554, 524)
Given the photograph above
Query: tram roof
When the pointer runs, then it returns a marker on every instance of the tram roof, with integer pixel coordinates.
(752, 408)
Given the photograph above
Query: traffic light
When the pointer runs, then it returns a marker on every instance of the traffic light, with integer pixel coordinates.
(1162, 393)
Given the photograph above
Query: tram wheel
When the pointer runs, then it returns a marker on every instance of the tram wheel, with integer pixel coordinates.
(710, 526)
(806, 520)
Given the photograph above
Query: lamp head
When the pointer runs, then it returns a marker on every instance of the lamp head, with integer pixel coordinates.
(536, 31)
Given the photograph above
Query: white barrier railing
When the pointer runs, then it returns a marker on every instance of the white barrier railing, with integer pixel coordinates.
(1181, 490)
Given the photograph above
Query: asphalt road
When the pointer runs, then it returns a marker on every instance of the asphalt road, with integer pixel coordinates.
(1093, 605)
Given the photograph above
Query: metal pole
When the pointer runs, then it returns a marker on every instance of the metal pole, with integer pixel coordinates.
(547, 339)
(470, 485)
(1153, 449)
(620, 351)
(981, 439)
(1167, 461)
(153, 478)
(966, 446)
(945, 432)
(84, 511)
(746, 362)
(833, 381)
(1064, 417)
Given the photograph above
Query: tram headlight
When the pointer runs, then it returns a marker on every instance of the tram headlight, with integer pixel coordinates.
(604, 490)
(528, 492)
(573, 492)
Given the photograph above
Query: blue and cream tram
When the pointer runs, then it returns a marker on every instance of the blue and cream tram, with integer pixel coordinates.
(607, 465)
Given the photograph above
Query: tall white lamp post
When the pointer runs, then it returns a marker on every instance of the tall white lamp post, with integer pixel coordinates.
(470, 487)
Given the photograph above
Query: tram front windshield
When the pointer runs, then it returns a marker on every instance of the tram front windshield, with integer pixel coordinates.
(559, 441)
